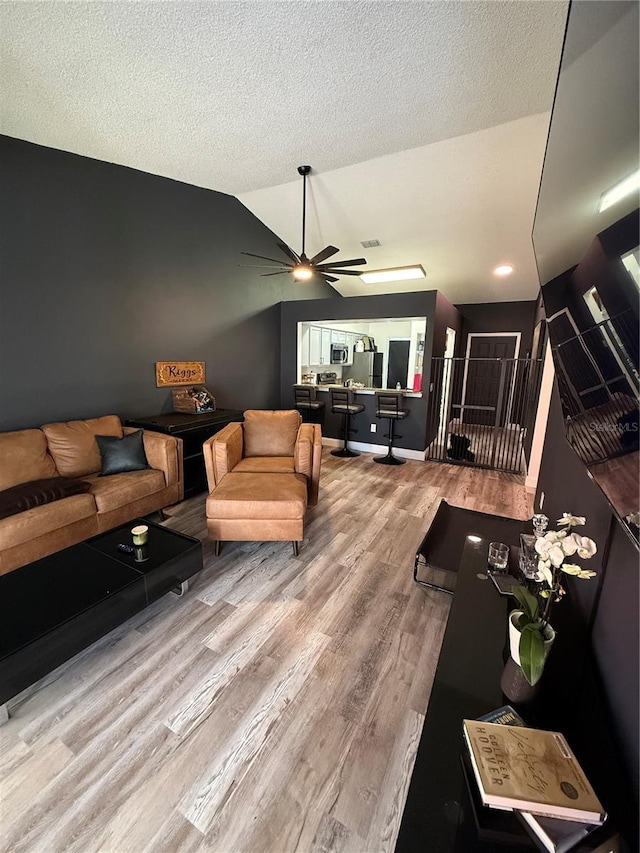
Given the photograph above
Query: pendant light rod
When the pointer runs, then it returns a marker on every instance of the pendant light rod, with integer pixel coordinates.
(304, 171)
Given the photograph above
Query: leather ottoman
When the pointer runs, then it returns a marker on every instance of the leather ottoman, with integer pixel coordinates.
(257, 507)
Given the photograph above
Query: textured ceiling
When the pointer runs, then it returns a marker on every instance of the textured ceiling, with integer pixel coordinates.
(393, 101)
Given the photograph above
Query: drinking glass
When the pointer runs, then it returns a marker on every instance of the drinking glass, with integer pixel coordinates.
(498, 556)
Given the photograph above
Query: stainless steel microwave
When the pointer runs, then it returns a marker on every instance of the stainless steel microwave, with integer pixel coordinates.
(339, 354)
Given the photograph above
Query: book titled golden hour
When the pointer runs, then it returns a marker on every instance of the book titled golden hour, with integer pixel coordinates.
(531, 770)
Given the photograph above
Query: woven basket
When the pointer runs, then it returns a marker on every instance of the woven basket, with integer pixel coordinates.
(195, 400)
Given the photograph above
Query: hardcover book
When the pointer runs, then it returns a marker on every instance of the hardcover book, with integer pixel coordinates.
(492, 825)
(530, 770)
(553, 834)
(503, 716)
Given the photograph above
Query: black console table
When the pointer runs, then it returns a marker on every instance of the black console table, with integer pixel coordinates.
(194, 430)
(440, 813)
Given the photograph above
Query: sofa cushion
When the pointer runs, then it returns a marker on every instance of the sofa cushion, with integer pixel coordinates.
(259, 496)
(268, 433)
(265, 464)
(24, 457)
(304, 451)
(38, 492)
(119, 455)
(120, 489)
(73, 444)
(28, 525)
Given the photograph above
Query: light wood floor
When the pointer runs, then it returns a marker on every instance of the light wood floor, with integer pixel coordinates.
(276, 707)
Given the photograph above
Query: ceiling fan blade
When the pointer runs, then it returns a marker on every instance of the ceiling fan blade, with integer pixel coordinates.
(265, 267)
(262, 258)
(339, 272)
(328, 278)
(352, 262)
(325, 253)
(274, 273)
(289, 252)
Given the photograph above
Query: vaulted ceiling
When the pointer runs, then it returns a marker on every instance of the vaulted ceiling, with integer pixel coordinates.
(425, 122)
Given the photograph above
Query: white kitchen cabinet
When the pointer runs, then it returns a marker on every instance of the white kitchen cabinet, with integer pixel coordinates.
(338, 337)
(305, 356)
(325, 348)
(315, 343)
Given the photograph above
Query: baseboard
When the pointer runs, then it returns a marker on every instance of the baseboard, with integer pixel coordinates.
(378, 449)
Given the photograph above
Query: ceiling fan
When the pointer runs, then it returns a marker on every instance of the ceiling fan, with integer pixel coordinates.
(301, 266)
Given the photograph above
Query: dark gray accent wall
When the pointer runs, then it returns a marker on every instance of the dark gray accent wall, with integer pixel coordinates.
(420, 304)
(610, 601)
(105, 270)
(498, 317)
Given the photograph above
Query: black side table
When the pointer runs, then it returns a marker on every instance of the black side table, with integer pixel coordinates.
(194, 430)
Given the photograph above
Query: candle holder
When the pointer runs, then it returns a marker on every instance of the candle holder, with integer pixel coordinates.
(140, 534)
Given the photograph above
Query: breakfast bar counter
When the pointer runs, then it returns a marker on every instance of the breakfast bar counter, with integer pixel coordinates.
(368, 391)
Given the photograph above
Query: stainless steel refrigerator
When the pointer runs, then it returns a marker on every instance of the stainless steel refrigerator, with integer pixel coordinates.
(366, 368)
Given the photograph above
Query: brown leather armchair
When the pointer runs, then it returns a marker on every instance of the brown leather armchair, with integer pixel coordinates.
(262, 475)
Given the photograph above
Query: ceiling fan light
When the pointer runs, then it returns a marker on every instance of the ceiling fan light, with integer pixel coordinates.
(302, 273)
(393, 274)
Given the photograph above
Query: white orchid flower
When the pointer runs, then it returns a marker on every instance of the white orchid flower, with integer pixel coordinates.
(585, 547)
(569, 545)
(572, 520)
(550, 551)
(544, 543)
(556, 555)
(544, 573)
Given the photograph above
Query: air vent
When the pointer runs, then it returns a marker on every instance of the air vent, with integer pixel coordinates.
(370, 244)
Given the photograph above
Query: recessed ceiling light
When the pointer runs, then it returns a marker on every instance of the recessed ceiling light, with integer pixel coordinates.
(503, 269)
(621, 189)
(474, 539)
(393, 274)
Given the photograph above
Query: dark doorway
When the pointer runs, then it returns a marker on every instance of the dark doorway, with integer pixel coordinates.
(489, 378)
(398, 368)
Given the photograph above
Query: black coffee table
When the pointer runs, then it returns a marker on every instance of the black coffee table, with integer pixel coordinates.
(52, 609)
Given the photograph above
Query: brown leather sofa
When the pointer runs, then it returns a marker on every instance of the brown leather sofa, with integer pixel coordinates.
(70, 450)
(262, 475)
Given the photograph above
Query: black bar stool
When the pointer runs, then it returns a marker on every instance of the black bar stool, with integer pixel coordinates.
(389, 405)
(306, 402)
(342, 404)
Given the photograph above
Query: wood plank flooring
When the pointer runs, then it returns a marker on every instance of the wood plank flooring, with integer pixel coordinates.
(276, 707)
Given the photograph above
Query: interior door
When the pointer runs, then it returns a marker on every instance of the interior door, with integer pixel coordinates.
(486, 371)
(398, 368)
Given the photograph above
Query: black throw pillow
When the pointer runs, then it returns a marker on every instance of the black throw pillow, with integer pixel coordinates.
(122, 454)
(26, 496)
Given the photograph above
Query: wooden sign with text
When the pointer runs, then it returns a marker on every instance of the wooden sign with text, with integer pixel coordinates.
(179, 373)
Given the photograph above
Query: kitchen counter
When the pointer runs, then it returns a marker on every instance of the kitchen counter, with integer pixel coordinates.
(371, 391)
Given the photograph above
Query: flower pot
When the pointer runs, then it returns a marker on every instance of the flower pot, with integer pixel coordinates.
(514, 638)
(515, 686)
